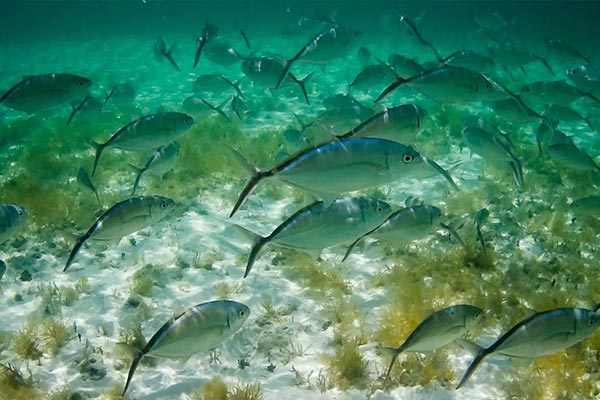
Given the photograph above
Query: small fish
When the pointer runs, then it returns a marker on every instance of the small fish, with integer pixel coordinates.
(404, 226)
(318, 226)
(471, 60)
(480, 218)
(492, 148)
(401, 124)
(487, 126)
(160, 52)
(121, 94)
(40, 92)
(88, 104)
(331, 42)
(565, 114)
(208, 33)
(412, 27)
(162, 161)
(215, 83)
(339, 166)
(12, 217)
(84, 180)
(405, 67)
(196, 330)
(511, 55)
(563, 49)
(451, 85)
(146, 133)
(372, 76)
(245, 37)
(553, 92)
(437, 330)
(589, 206)
(541, 334)
(124, 218)
(585, 77)
(221, 53)
(239, 107)
(571, 156)
(515, 110)
(265, 71)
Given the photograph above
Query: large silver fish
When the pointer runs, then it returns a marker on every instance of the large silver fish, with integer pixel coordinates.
(265, 71)
(570, 155)
(40, 92)
(471, 60)
(146, 133)
(124, 218)
(404, 225)
(12, 217)
(405, 67)
(437, 330)
(198, 329)
(585, 77)
(339, 166)
(162, 161)
(493, 148)
(449, 84)
(541, 334)
(318, 226)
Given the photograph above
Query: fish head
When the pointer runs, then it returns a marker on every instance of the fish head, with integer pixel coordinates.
(587, 322)
(434, 213)
(237, 314)
(374, 210)
(78, 85)
(19, 214)
(488, 89)
(162, 206)
(182, 122)
(472, 315)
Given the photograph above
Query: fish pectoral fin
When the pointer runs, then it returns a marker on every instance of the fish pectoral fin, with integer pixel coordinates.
(471, 347)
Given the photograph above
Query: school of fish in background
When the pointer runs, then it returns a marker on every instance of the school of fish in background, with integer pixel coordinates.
(369, 136)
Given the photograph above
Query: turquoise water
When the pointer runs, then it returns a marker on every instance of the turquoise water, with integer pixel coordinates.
(316, 323)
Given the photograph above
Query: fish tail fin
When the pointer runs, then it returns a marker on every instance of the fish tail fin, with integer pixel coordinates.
(286, 69)
(74, 252)
(351, 247)
(391, 87)
(303, 126)
(256, 176)
(71, 116)
(138, 357)
(236, 86)
(302, 84)
(454, 234)
(545, 62)
(107, 97)
(441, 171)
(99, 147)
(219, 108)
(394, 352)
(139, 172)
(474, 364)
(201, 43)
(515, 165)
(169, 56)
(259, 244)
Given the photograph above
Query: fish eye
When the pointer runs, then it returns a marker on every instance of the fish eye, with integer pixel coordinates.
(379, 209)
(407, 158)
(488, 86)
(163, 205)
(591, 322)
(20, 212)
(242, 313)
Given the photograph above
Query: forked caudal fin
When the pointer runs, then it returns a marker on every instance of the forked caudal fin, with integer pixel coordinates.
(253, 253)
(302, 84)
(474, 364)
(99, 149)
(138, 357)
(256, 176)
(393, 86)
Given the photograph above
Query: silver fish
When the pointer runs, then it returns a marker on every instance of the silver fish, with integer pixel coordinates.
(198, 329)
(339, 166)
(553, 92)
(563, 49)
(84, 180)
(160, 52)
(239, 107)
(121, 94)
(492, 148)
(471, 60)
(162, 161)
(40, 92)
(215, 83)
(124, 218)
(570, 155)
(331, 42)
(265, 71)
(437, 330)
(318, 226)
(401, 124)
(480, 218)
(371, 77)
(208, 33)
(12, 217)
(451, 85)
(89, 105)
(585, 77)
(146, 133)
(221, 53)
(541, 334)
(405, 67)
(589, 206)
(511, 55)
(515, 110)
(403, 226)
(565, 114)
